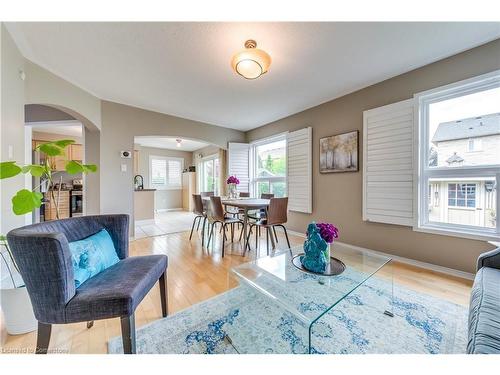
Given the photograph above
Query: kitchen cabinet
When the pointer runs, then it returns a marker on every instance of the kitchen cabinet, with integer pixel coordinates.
(188, 189)
(64, 205)
(58, 163)
(76, 152)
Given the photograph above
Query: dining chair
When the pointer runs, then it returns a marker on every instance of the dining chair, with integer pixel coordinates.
(207, 194)
(216, 215)
(261, 214)
(276, 216)
(200, 213)
(244, 194)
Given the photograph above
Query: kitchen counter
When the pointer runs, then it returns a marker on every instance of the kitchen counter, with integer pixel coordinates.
(144, 204)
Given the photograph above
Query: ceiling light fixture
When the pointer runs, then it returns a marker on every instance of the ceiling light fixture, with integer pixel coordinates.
(178, 142)
(252, 62)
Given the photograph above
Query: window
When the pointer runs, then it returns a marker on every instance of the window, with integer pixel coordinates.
(474, 145)
(462, 195)
(166, 172)
(209, 174)
(268, 171)
(455, 122)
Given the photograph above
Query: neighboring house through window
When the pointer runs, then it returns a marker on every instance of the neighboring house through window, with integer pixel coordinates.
(459, 131)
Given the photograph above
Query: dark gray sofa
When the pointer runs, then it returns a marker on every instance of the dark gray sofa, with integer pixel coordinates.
(484, 310)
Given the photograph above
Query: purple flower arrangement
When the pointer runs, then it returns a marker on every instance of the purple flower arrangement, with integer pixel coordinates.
(328, 232)
(232, 180)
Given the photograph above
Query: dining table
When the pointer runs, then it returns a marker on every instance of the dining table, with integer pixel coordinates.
(246, 204)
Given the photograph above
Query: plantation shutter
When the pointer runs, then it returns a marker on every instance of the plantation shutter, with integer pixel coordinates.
(174, 173)
(299, 170)
(388, 170)
(238, 155)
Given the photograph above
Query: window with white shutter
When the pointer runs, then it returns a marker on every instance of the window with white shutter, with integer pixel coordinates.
(299, 170)
(388, 171)
(238, 165)
(165, 172)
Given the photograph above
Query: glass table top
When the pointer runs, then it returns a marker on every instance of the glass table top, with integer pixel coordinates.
(276, 277)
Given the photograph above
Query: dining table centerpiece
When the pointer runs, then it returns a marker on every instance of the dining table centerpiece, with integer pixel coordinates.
(317, 245)
(232, 182)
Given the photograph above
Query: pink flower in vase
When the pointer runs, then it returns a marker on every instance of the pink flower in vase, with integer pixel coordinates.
(232, 180)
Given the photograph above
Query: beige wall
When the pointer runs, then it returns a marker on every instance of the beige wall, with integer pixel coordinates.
(164, 199)
(120, 123)
(11, 126)
(43, 87)
(337, 197)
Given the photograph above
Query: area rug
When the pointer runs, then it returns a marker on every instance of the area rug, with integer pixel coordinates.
(243, 320)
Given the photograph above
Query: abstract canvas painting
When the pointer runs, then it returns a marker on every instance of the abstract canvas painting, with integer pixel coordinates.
(339, 153)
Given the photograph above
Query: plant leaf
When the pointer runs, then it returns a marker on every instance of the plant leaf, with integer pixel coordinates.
(90, 168)
(73, 167)
(34, 169)
(51, 149)
(26, 201)
(64, 143)
(9, 169)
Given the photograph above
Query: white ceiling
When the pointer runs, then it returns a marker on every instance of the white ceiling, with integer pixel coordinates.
(169, 143)
(72, 128)
(184, 69)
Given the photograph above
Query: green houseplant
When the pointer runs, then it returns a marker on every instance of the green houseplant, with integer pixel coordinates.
(16, 304)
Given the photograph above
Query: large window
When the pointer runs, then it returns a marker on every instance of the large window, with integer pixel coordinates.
(459, 158)
(209, 174)
(268, 167)
(165, 172)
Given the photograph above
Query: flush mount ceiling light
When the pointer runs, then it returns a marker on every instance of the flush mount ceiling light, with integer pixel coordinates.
(252, 62)
(178, 142)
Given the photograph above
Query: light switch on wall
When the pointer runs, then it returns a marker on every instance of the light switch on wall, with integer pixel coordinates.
(124, 167)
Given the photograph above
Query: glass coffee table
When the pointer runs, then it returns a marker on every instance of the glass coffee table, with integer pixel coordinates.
(307, 297)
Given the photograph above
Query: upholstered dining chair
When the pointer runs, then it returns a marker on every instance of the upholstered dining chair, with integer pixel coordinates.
(201, 214)
(42, 253)
(261, 214)
(217, 215)
(277, 215)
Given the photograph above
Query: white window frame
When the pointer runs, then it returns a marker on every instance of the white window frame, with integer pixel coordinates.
(424, 172)
(478, 145)
(217, 187)
(253, 165)
(167, 186)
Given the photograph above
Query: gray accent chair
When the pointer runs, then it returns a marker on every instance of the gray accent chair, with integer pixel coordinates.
(44, 259)
(484, 310)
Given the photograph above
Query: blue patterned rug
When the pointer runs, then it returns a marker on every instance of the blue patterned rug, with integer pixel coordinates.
(243, 320)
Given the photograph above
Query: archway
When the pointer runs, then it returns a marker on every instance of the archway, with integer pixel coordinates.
(49, 120)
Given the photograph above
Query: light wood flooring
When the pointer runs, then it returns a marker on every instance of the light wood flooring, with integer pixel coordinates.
(195, 275)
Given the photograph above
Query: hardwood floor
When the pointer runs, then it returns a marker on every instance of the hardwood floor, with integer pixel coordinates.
(194, 275)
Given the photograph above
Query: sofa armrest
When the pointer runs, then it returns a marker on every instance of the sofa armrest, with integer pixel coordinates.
(489, 259)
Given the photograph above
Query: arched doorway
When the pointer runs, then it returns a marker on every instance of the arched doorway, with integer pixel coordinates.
(79, 194)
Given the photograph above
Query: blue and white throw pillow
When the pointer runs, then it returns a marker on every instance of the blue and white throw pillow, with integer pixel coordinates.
(92, 255)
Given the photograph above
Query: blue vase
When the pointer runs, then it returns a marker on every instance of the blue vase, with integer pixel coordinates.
(315, 258)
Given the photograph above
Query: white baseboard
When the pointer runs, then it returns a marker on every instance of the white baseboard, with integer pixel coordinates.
(144, 222)
(413, 262)
(169, 209)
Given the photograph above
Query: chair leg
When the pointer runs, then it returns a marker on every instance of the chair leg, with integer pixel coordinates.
(267, 240)
(198, 226)
(43, 338)
(232, 232)
(223, 238)
(203, 232)
(275, 236)
(90, 324)
(210, 233)
(192, 227)
(241, 233)
(286, 235)
(164, 294)
(257, 233)
(128, 334)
